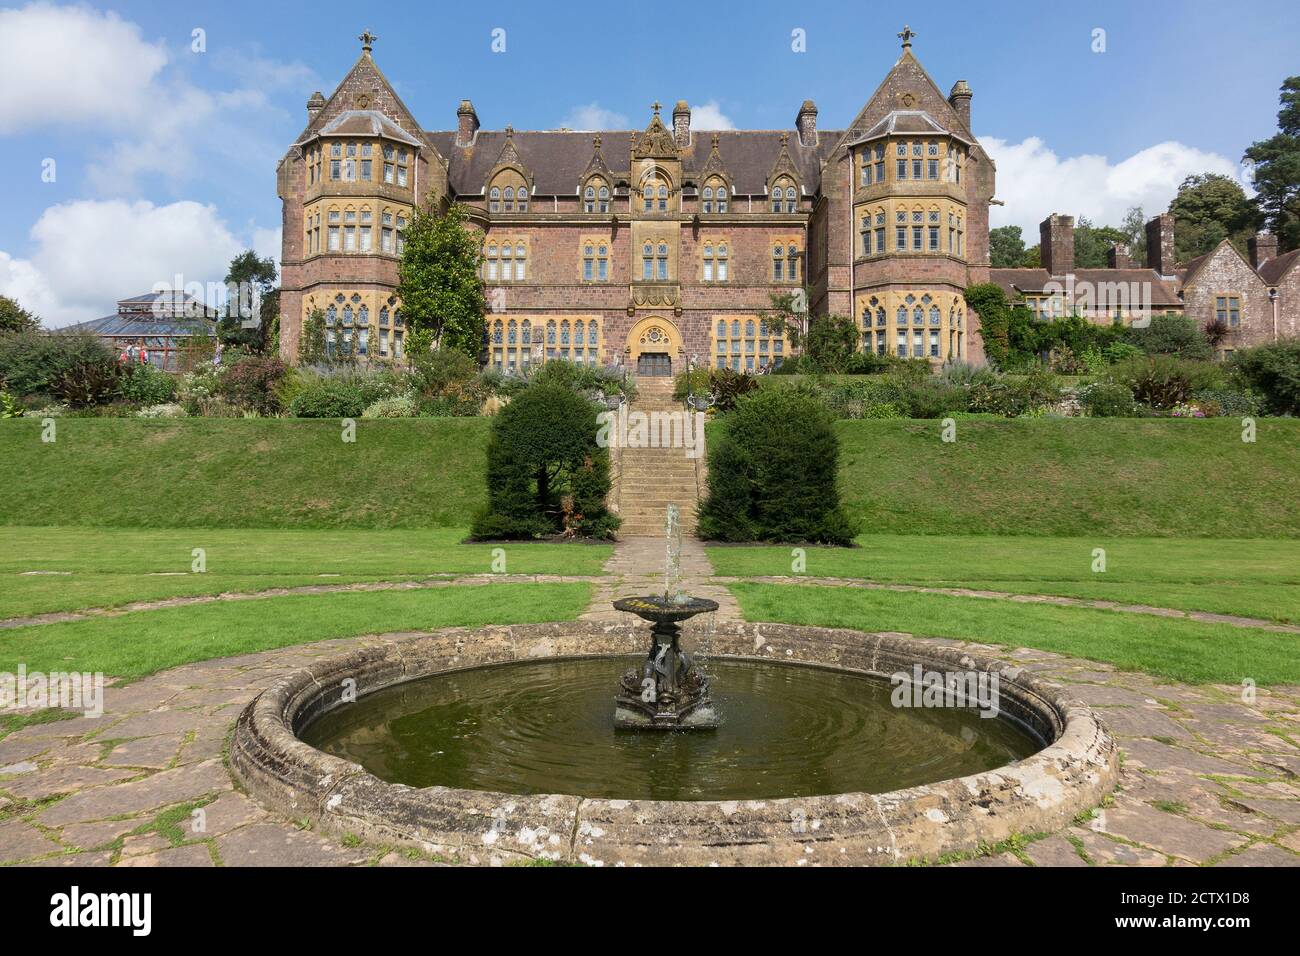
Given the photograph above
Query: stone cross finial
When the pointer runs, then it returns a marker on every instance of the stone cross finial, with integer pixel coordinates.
(715, 140)
(595, 141)
(510, 131)
(907, 35)
(367, 41)
(656, 106)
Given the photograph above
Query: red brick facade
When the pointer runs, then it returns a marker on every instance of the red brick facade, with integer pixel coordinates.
(813, 173)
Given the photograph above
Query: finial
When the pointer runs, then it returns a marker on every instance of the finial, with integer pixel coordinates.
(656, 106)
(510, 131)
(907, 35)
(785, 139)
(715, 140)
(595, 141)
(367, 41)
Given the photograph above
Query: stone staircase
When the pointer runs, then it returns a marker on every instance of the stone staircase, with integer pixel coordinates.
(650, 479)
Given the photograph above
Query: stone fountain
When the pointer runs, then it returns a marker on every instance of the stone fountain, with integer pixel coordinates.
(667, 691)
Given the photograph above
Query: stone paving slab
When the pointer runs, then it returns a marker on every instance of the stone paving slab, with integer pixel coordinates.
(1205, 778)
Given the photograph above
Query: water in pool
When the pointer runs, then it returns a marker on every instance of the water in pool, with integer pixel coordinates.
(546, 727)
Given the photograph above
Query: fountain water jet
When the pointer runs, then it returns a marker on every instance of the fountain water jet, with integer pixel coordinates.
(667, 692)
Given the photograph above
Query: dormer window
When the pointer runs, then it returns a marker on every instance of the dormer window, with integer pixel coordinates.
(714, 196)
(595, 197)
(785, 198)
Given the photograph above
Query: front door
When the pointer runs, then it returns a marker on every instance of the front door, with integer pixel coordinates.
(654, 364)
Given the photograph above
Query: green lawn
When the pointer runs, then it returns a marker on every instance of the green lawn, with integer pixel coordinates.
(112, 566)
(1254, 577)
(141, 643)
(1177, 649)
(1121, 477)
(263, 473)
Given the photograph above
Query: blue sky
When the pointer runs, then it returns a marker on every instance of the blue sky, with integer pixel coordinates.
(165, 157)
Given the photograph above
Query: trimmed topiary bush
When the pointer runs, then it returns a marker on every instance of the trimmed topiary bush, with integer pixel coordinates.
(772, 473)
(546, 474)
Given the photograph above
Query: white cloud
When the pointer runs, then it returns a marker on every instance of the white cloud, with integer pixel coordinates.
(61, 65)
(89, 254)
(593, 116)
(267, 243)
(710, 116)
(1034, 182)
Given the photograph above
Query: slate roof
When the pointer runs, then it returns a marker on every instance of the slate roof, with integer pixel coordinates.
(557, 159)
(1272, 270)
(909, 121)
(1015, 281)
(362, 123)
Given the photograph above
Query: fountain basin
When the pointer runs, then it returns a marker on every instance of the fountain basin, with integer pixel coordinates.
(1043, 791)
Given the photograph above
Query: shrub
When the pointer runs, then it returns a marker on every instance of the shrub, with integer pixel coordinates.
(334, 397)
(93, 380)
(1106, 400)
(1273, 372)
(400, 406)
(545, 471)
(1163, 381)
(1119, 351)
(1229, 401)
(727, 386)
(252, 384)
(695, 382)
(9, 407)
(593, 381)
(1171, 334)
(32, 363)
(165, 410)
(442, 371)
(147, 385)
(772, 473)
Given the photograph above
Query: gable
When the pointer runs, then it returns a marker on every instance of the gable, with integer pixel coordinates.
(907, 87)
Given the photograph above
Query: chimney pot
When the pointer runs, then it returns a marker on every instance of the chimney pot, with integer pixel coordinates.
(315, 103)
(806, 123)
(682, 124)
(959, 98)
(1160, 244)
(1056, 244)
(467, 123)
(1262, 246)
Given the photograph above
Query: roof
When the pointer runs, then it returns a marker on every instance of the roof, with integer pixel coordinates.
(1033, 280)
(1272, 270)
(558, 159)
(170, 299)
(362, 123)
(909, 121)
(142, 325)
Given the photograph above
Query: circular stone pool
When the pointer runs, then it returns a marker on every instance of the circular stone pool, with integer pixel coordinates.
(546, 727)
(796, 745)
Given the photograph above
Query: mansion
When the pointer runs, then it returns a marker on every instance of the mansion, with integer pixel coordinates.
(657, 247)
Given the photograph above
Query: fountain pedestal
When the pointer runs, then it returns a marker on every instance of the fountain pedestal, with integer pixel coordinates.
(667, 691)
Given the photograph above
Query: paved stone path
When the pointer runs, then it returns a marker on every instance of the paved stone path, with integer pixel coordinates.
(1208, 778)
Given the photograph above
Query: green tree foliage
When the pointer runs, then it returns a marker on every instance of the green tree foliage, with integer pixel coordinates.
(1208, 209)
(32, 363)
(772, 473)
(546, 471)
(1092, 244)
(311, 347)
(1006, 247)
(1172, 334)
(831, 343)
(1135, 234)
(1277, 170)
(439, 282)
(788, 315)
(14, 318)
(1272, 371)
(259, 276)
(1033, 258)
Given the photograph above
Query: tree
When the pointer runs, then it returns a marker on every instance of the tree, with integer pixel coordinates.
(253, 281)
(14, 318)
(312, 350)
(1135, 234)
(439, 282)
(788, 315)
(831, 343)
(1006, 247)
(546, 469)
(1277, 170)
(1092, 244)
(1033, 258)
(1208, 209)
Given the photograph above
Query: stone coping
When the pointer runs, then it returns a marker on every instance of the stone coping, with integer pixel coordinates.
(1044, 792)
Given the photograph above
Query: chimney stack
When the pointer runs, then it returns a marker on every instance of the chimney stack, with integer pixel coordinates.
(1118, 258)
(1056, 244)
(467, 123)
(1262, 246)
(682, 124)
(1160, 244)
(959, 98)
(806, 123)
(315, 103)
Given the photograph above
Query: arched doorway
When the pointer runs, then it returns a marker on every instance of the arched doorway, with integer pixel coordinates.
(654, 346)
